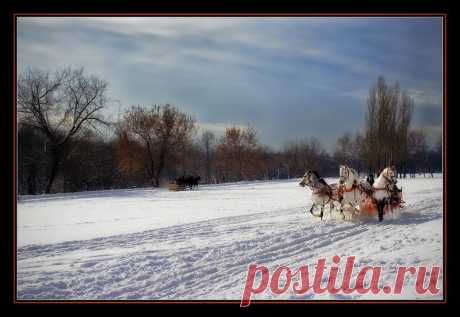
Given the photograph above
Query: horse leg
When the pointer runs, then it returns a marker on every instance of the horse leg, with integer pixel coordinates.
(341, 208)
(355, 208)
(322, 212)
(331, 206)
(341, 211)
(380, 207)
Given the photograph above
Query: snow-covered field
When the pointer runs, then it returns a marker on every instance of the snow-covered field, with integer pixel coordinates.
(197, 245)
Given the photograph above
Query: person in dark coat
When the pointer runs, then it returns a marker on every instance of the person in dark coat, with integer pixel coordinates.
(370, 179)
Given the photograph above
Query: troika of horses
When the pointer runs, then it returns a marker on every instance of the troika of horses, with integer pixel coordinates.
(355, 195)
(182, 182)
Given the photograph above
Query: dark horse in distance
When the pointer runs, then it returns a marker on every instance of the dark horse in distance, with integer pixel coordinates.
(188, 181)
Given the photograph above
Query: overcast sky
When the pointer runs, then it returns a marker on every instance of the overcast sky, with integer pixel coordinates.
(291, 77)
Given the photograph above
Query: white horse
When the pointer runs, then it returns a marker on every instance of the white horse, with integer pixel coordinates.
(385, 192)
(352, 190)
(321, 192)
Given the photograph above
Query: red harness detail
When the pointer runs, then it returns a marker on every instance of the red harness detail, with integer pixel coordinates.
(343, 188)
(349, 190)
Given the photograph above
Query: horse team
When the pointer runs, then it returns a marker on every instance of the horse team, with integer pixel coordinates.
(353, 194)
(350, 194)
(189, 181)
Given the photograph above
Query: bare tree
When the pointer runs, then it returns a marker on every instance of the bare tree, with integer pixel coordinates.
(239, 155)
(344, 152)
(406, 108)
(162, 132)
(418, 151)
(208, 144)
(31, 160)
(302, 155)
(358, 146)
(437, 154)
(60, 106)
(387, 122)
(350, 150)
(291, 157)
(230, 154)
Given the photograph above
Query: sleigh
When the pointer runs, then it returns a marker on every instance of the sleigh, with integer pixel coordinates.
(176, 187)
(354, 197)
(368, 207)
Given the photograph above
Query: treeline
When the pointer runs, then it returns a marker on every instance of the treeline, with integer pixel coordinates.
(388, 137)
(66, 144)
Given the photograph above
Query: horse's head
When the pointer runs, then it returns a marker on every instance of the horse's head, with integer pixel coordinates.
(309, 178)
(390, 174)
(344, 173)
(304, 181)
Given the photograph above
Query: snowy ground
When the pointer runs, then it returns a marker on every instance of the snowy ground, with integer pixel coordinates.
(156, 244)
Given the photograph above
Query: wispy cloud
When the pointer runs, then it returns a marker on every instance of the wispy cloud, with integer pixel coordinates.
(218, 128)
(287, 77)
(428, 97)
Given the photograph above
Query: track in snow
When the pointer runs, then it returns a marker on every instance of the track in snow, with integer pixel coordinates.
(206, 257)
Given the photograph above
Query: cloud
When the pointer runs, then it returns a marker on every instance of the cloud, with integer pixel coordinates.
(426, 98)
(287, 77)
(218, 128)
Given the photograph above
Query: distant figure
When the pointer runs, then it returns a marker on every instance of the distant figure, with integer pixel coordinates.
(192, 181)
(370, 179)
(189, 181)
